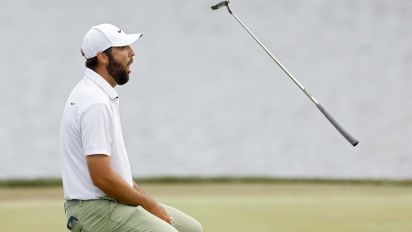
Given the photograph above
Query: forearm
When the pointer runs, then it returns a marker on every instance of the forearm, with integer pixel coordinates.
(114, 186)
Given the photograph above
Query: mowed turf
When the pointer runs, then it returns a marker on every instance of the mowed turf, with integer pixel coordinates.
(240, 207)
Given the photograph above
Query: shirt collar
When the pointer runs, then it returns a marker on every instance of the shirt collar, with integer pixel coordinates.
(102, 83)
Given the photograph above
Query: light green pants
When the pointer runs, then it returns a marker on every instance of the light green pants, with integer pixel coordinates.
(105, 215)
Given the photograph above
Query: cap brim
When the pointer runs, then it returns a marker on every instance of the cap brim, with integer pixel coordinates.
(128, 40)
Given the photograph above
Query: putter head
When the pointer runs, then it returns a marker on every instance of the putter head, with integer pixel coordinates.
(220, 4)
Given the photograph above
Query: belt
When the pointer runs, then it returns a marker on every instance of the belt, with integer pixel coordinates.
(72, 202)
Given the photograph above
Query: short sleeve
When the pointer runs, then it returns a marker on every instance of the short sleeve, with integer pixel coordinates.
(96, 129)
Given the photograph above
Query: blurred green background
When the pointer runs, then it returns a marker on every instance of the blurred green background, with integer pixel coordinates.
(240, 206)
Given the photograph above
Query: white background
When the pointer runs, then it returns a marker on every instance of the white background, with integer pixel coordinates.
(205, 100)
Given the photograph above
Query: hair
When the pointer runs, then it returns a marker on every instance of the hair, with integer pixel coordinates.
(93, 62)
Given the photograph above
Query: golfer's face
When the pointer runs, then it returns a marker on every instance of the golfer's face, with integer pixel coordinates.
(123, 55)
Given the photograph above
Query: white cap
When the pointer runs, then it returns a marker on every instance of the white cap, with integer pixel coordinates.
(104, 36)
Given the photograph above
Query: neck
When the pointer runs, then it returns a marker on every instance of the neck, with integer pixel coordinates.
(102, 71)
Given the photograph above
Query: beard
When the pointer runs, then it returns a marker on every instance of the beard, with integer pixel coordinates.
(117, 71)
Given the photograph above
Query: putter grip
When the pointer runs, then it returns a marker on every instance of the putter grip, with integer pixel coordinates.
(220, 4)
(345, 134)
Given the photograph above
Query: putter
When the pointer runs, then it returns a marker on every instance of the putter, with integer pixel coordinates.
(345, 134)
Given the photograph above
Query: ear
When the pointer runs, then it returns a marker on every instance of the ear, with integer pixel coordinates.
(102, 58)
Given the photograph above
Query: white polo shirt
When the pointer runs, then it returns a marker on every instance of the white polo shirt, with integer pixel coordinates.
(91, 125)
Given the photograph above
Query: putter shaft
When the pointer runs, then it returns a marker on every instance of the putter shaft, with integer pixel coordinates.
(344, 133)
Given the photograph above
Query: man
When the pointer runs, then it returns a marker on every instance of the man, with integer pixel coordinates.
(100, 194)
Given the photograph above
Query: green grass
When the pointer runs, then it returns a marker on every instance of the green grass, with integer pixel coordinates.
(240, 207)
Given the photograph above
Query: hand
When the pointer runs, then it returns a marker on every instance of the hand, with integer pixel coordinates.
(157, 210)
